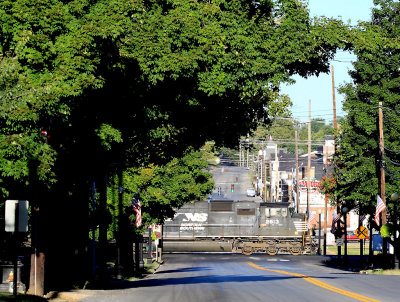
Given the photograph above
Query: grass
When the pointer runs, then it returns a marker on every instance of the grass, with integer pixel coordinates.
(353, 250)
(150, 268)
(391, 272)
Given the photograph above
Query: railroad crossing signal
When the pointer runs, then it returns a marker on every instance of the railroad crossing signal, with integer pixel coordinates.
(362, 232)
(232, 188)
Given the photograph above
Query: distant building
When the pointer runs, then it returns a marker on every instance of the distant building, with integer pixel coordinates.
(277, 169)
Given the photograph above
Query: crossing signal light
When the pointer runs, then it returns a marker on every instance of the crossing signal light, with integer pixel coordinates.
(232, 188)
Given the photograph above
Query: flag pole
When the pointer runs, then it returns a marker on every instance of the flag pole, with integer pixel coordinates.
(382, 178)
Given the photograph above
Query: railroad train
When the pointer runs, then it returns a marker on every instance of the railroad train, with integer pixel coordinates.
(237, 226)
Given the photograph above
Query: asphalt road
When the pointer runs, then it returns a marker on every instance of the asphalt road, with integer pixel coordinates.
(238, 278)
(225, 176)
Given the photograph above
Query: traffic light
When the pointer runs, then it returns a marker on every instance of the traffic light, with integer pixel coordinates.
(237, 180)
(219, 190)
(232, 188)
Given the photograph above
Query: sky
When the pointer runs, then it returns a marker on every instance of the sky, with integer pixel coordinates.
(319, 89)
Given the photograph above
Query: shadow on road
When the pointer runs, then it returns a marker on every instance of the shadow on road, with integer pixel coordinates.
(211, 279)
(188, 269)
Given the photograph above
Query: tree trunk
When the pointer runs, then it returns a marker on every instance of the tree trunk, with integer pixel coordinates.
(102, 210)
(36, 276)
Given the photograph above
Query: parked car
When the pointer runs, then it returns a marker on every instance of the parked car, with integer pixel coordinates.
(352, 236)
(251, 192)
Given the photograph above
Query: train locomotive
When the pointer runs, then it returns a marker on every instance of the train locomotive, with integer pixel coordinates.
(237, 226)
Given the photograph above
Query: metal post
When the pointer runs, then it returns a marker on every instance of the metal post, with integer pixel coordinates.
(16, 228)
(338, 228)
(326, 204)
(297, 175)
(240, 154)
(119, 240)
(150, 243)
(361, 243)
(309, 159)
(265, 181)
(319, 233)
(93, 230)
(345, 238)
(247, 163)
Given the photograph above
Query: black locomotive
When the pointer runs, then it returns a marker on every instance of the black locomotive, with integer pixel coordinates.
(241, 227)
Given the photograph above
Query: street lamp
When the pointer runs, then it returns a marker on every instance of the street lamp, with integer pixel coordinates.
(319, 231)
(345, 210)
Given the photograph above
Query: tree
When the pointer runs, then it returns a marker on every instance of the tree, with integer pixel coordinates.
(118, 84)
(181, 62)
(282, 129)
(375, 79)
(162, 189)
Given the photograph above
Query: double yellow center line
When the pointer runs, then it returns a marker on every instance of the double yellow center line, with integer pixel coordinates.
(318, 283)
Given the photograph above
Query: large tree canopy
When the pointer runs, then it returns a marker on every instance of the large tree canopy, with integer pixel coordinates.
(94, 89)
(126, 82)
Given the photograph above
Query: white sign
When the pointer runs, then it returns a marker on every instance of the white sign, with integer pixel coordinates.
(22, 206)
(339, 242)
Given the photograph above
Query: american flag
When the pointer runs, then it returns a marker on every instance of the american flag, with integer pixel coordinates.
(335, 219)
(380, 206)
(138, 219)
(311, 218)
(135, 203)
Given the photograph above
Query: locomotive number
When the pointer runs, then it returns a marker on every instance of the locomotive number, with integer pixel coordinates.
(272, 221)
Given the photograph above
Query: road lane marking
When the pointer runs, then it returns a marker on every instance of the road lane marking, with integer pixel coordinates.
(319, 283)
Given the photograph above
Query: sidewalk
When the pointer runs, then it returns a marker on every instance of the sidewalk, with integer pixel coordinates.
(72, 295)
(79, 294)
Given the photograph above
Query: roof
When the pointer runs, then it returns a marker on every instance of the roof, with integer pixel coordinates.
(287, 162)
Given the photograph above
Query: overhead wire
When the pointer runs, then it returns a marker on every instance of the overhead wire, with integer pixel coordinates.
(390, 173)
(391, 161)
(390, 150)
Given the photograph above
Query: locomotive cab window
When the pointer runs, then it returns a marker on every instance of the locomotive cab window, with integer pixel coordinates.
(276, 212)
(246, 212)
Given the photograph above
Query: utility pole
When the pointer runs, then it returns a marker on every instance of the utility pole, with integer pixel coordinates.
(334, 102)
(276, 173)
(335, 133)
(265, 180)
(270, 179)
(240, 154)
(326, 200)
(382, 178)
(297, 174)
(247, 163)
(309, 159)
(262, 167)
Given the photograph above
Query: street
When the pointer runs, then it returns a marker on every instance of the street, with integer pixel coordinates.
(238, 278)
(225, 176)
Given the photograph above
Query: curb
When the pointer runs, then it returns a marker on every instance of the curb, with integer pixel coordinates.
(72, 295)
